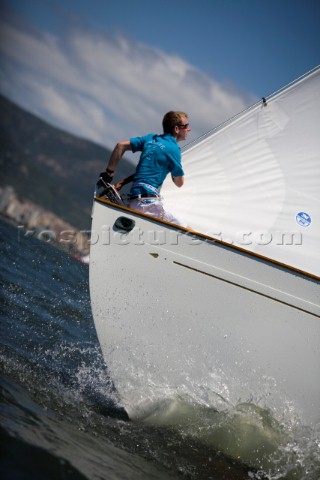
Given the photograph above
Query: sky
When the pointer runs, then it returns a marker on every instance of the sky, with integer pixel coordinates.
(107, 70)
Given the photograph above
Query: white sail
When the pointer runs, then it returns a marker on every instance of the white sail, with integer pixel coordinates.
(255, 181)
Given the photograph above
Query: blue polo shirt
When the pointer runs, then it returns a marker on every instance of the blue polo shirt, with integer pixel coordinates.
(160, 155)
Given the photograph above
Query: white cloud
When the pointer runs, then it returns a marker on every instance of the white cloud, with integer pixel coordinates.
(106, 88)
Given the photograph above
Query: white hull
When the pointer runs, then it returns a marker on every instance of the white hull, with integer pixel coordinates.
(177, 313)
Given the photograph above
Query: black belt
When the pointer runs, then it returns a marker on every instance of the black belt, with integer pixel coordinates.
(143, 195)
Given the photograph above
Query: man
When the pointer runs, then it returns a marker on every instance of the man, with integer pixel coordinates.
(160, 155)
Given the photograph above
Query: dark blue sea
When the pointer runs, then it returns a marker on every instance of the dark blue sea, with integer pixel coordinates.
(59, 416)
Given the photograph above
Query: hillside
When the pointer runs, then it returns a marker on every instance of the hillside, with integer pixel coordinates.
(50, 167)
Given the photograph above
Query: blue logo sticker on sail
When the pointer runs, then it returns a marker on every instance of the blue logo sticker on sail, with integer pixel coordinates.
(303, 219)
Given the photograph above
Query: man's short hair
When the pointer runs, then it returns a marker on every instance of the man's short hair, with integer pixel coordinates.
(172, 119)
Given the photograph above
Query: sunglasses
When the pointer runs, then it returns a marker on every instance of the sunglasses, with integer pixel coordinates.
(186, 125)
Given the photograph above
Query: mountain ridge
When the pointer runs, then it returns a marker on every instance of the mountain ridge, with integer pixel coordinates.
(49, 166)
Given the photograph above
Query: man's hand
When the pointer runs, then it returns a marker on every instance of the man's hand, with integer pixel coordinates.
(118, 186)
(123, 182)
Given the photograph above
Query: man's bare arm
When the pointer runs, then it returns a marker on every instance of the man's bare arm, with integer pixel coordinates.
(178, 181)
(117, 154)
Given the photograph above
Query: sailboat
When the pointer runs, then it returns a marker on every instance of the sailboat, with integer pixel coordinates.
(228, 310)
